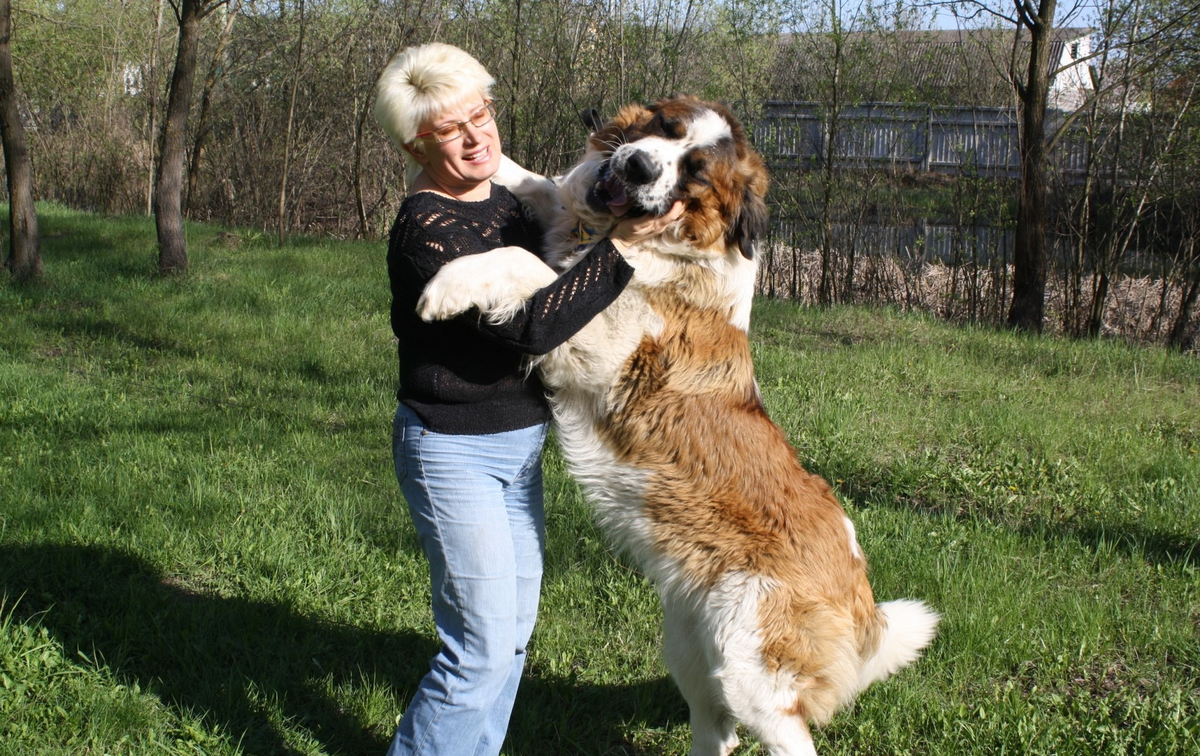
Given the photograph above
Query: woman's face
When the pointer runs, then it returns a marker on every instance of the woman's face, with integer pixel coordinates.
(461, 166)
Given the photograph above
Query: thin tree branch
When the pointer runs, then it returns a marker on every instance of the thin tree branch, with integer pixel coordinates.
(1027, 14)
(207, 8)
(980, 9)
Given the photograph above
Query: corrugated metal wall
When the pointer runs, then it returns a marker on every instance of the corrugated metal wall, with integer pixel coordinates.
(945, 140)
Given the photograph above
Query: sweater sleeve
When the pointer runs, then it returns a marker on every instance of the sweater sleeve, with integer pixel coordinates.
(554, 314)
(558, 311)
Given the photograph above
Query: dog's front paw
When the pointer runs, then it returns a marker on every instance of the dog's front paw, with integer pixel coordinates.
(443, 298)
(497, 283)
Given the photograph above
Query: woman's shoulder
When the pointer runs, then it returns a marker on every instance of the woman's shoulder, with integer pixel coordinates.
(431, 209)
(419, 205)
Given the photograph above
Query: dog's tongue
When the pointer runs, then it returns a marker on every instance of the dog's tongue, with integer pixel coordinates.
(618, 201)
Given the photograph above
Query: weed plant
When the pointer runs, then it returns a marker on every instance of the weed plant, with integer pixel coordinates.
(203, 548)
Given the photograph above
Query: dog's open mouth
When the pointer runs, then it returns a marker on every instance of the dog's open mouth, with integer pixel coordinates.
(610, 194)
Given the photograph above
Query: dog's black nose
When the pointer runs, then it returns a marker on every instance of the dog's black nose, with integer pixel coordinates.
(639, 169)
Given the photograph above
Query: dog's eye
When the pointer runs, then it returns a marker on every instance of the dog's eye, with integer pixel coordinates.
(695, 163)
(671, 128)
(674, 128)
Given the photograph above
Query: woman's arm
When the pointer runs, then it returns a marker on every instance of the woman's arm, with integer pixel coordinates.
(558, 311)
(536, 323)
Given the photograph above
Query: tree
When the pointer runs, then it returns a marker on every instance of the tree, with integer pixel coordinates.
(152, 92)
(1188, 211)
(287, 134)
(1034, 24)
(25, 256)
(1027, 312)
(210, 84)
(168, 188)
(1031, 77)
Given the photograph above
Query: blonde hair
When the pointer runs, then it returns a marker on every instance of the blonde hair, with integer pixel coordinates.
(420, 83)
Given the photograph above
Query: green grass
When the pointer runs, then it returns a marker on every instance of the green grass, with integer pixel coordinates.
(203, 548)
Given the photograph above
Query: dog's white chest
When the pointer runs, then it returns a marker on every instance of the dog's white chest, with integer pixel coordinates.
(591, 362)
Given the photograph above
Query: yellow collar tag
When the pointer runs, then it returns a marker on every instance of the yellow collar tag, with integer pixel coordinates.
(584, 235)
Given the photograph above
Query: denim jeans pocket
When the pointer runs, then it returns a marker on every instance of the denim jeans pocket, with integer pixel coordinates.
(535, 457)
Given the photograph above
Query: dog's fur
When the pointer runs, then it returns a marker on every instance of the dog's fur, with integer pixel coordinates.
(768, 616)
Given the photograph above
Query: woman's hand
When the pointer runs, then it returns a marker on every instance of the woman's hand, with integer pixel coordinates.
(633, 230)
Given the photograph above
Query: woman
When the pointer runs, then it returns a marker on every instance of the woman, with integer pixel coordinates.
(468, 432)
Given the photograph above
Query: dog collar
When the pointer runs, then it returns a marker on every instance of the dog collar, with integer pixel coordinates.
(583, 235)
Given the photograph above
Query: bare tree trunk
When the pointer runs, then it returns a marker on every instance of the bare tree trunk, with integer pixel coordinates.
(210, 84)
(622, 83)
(1027, 311)
(25, 255)
(1186, 306)
(825, 287)
(152, 88)
(287, 138)
(168, 189)
(1073, 318)
(515, 71)
(1164, 291)
(359, 203)
(1109, 255)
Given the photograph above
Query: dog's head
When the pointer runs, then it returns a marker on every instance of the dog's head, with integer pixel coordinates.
(684, 149)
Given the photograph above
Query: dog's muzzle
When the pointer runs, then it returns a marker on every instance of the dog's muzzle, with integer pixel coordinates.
(638, 169)
(609, 194)
(615, 190)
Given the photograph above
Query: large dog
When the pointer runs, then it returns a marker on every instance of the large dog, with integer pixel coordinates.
(768, 616)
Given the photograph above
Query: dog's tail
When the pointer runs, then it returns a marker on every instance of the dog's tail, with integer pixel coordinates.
(907, 627)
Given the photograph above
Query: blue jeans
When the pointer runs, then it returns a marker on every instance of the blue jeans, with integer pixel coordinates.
(476, 502)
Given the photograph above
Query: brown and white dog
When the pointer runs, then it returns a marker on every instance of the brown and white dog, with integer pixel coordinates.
(769, 619)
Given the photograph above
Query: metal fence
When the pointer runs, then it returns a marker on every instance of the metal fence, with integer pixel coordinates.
(920, 239)
(939, 139)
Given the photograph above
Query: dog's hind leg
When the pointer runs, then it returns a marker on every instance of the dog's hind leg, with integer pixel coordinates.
(789, 736)
(689, 656)
(764, 698)
(760, 709)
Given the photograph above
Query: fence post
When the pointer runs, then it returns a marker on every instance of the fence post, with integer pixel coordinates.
(928, 162)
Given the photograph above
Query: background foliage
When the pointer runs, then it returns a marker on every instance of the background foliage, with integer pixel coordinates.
(93, 75)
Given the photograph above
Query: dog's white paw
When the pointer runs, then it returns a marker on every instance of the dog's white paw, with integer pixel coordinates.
(538, 194)
(442, 299)
(497, 283)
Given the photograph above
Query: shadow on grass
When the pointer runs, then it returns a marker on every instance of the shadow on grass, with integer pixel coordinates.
(232, 660)
(1132, 540)
(102, 246)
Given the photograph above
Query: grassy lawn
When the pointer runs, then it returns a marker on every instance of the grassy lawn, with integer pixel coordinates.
(203, 549)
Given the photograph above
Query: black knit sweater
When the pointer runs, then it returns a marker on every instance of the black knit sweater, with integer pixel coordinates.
(466, 375)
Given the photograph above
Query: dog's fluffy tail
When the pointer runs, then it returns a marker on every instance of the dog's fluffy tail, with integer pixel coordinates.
(908, 627)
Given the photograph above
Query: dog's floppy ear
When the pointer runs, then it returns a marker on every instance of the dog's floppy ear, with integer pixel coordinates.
(591, 119)
(750, 223)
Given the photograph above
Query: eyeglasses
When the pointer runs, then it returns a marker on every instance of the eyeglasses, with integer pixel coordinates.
(451, 131)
